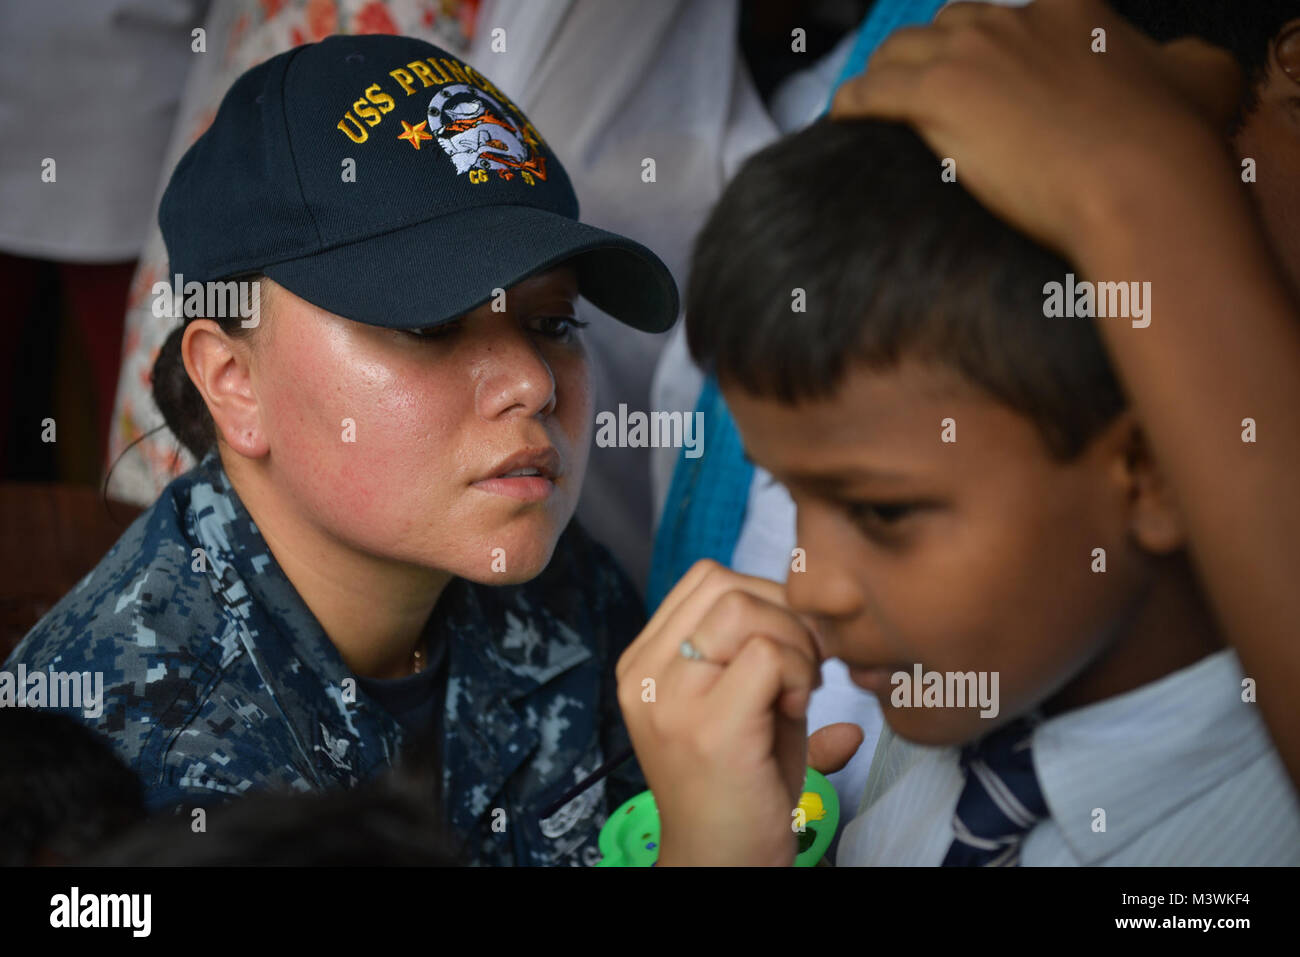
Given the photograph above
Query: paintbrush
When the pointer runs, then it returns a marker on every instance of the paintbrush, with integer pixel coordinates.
(601, 772)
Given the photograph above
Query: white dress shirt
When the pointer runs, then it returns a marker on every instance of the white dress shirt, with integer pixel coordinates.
(1183, 769)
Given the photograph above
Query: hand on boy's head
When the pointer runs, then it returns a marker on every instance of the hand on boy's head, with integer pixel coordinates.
(722, 739)
(1038, 118)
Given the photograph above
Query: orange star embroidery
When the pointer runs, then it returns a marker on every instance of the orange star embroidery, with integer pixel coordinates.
(413, 134)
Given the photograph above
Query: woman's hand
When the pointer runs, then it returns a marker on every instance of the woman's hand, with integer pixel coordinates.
(722, 742)
(1047, 133)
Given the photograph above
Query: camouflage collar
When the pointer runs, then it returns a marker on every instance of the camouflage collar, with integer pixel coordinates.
(300, 666)
(501, 656)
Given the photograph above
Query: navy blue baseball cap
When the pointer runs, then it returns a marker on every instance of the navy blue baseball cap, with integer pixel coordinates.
(384, 180)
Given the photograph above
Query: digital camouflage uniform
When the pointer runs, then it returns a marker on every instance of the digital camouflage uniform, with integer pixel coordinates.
(218, 679)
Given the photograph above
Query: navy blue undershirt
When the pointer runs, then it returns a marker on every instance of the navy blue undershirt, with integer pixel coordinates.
(416, 701)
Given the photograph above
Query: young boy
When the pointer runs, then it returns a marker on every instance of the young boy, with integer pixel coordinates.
(1026, 530)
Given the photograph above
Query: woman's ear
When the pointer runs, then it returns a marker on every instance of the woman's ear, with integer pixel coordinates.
(1154, 519)
(218, 365)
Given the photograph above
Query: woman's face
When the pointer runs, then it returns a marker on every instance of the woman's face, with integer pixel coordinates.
(400, 443)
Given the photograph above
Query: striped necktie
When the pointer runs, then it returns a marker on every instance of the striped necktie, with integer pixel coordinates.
(1001, 802)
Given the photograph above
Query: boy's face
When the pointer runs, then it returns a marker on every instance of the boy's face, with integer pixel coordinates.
(973, 555)
(436, 420)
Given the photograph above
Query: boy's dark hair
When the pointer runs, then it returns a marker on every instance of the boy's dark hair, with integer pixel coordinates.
(1245, 28)
(63, 792)
(892, 262)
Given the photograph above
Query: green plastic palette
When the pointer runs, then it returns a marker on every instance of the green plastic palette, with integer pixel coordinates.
(630, 838)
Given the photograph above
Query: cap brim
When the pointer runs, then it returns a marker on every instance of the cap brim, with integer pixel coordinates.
(434, 271)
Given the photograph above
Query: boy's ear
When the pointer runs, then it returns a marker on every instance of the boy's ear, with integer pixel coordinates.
(1154, 519)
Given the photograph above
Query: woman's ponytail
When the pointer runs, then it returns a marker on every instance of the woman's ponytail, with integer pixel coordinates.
(182, 407)
(179, 401)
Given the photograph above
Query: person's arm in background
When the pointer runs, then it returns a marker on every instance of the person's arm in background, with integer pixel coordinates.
(1114, 160)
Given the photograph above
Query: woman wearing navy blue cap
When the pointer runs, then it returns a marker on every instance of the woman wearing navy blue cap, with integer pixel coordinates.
(377, 541)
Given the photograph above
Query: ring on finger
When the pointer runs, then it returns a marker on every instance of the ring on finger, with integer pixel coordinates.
(688, 651)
